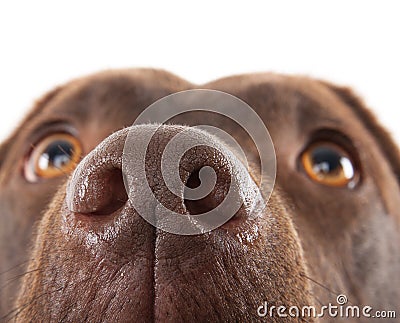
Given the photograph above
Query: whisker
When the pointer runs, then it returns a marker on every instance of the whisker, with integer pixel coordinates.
(59, 168)
(15, 267)
(22, 307)
(320, 285)
(62, 149)
(15, 278)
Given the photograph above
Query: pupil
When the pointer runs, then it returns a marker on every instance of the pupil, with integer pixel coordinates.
(57, 154)
(326, 160)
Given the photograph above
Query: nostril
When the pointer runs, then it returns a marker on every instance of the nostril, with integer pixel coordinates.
(205, 204)
(99, 192)
(117, 196)
(194, 180)
(97, 186)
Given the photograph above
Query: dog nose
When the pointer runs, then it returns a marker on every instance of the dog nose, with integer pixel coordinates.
(179, 179)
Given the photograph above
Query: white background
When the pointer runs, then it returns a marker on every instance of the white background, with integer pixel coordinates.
(45, 43)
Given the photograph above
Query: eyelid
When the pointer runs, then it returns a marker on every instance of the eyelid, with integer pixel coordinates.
(52, 127)
(334, 136)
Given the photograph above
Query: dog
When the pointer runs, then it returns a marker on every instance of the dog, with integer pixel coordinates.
(329, 228)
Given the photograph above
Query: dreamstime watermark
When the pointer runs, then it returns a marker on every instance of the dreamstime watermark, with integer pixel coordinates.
(342, 309)
(241, 189)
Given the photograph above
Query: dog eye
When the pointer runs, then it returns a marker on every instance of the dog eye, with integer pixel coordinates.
(329, 164)
(53, 156)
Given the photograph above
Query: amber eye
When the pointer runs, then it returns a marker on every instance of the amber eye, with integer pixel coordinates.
(53, 156)
(329, 164)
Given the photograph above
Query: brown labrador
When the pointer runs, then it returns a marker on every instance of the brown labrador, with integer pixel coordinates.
(331, 226)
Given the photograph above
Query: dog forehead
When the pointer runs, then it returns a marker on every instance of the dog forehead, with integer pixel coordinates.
(113, 93)
(122, 95)
(301, 104)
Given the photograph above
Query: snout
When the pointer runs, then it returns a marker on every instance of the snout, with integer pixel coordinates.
(164, 224)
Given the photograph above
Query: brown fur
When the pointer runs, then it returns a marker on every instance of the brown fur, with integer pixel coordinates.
(313, 242)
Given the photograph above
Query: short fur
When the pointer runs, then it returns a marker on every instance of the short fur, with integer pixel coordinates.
(312, 243)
